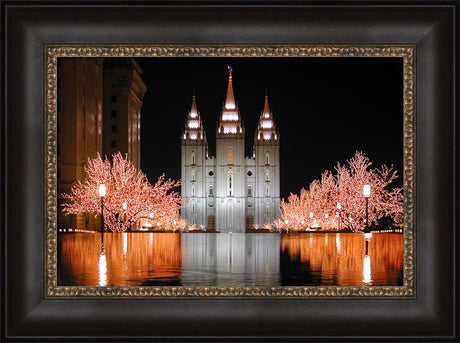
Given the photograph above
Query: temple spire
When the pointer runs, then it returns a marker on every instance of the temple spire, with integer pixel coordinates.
(266, 112)
(230, 99)
(193, 127)
(266, 129)
(230, 122)
(193, 109)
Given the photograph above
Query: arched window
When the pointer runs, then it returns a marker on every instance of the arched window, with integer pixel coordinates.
(267, 208)
(267, 176)
(211, 191)
(193, 191)
(193, 221)
(193, 175)
(250, 222)
(211, 222)
(267, 191)
(229, 156)
(249, 191)
(192, 158)
(230, 184)
(267, 158)
(193, 207)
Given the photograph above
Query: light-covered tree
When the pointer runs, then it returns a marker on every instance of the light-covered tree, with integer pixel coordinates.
(318, 204)
(130, 198)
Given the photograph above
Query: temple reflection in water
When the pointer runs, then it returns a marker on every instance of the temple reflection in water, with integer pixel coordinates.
(230, 259)
(200, 259)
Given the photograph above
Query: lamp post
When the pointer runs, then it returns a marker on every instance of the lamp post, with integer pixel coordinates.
(125, 207)
(102, 192)
(339, 208)
(367, 194)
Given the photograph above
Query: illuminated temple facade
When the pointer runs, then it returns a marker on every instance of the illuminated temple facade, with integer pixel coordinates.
(230, 192)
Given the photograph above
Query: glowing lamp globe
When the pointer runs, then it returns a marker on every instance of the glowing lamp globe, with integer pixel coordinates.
(102, 190)
(366, 191)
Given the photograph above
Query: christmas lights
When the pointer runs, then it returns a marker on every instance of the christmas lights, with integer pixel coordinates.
(318, 205)
(129, 200)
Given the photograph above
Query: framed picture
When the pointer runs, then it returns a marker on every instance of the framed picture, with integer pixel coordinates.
(186, 68)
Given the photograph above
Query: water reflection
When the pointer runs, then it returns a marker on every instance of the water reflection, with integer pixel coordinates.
(230, 259)
(197, 259)
(130, 259)
(102, 268)
(312, 261)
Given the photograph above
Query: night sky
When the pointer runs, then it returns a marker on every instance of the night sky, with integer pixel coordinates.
(324, 108)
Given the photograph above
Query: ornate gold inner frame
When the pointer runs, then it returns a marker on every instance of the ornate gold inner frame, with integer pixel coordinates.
(406, 52)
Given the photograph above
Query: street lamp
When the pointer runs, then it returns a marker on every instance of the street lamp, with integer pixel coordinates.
(125, 207)
(102, 192)
(366, 195)
(339, 208)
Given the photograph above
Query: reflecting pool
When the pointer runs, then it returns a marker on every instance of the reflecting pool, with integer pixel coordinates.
(218, 259)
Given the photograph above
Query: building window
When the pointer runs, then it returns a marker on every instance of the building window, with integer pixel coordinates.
(193, 191)
(193, 175)
(211, 222)
(113, 98)
(230, 156)
(267, 158)
(192, 158)
(249, 222)
(249, 191)
(267, 208)
(113, 114)
(267, 191)
(193, 207)
(193, 221)
(230, 184)
(267, 176)
(211, 191)
(113, 128)
(113, 144)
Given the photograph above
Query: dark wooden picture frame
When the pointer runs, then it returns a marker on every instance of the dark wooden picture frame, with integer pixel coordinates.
(28, 313)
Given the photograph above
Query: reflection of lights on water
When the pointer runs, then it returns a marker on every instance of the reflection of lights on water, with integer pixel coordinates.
(368, 236)
(125, 242)
(367, 269)
(326, 238)
(337, 242)
(311, 239)
(102, 269)
(151, 238)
